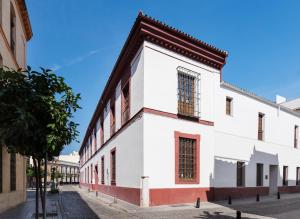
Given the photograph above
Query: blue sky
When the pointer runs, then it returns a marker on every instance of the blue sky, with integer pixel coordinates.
(81, 41)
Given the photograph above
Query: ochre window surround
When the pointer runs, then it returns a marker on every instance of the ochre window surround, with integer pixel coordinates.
(194, 139)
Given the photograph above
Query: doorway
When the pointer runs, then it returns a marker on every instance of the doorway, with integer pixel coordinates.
(273, 180)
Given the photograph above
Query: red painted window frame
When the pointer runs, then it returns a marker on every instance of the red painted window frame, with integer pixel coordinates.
(196, 137)
(127, 83)
(113, 181)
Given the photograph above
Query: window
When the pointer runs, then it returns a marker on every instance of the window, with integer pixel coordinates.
(91, 173)
(1, 59)
(102, 170)
(91, 146)
(101, 132)
(240, 172)
(112, 118)
(12, 29)
(125, 103)
(261, 124)
(95, 139)
(298, 176)
(1, 168)
(188, 92)
(229, 106)
(285, 176)
(12, 171)
(259, 174)
(88, 174)
(296, 136)
(113, 166)
(186, 158)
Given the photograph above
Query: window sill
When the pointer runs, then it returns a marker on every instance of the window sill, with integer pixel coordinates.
(188, 117)
(180, 181)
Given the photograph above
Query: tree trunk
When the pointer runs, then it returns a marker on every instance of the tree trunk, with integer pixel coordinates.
(36, 189)
(45, 186)
(40, 185)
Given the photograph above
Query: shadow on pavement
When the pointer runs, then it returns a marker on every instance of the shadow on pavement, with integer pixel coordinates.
(216, 214)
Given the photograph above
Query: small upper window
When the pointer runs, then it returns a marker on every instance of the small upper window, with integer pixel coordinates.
(296, 136)
(261, 124)
(229, 106)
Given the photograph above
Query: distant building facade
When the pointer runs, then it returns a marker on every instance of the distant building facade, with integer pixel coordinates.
(15, 31)
(167, 129)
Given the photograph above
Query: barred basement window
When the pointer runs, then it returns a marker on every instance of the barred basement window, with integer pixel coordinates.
(12, 171)
(285, 176)
(102, 170)
(261, 121)
(187, 159)
(259, 174)
(1, 183)
(113, 167)
(188, 92)
(240, 172)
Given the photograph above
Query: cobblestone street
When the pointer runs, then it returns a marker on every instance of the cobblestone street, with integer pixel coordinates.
(78, 203)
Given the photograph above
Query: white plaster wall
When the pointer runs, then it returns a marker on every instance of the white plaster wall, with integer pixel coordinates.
(129, 147)
(161, 83)
(236, 139)
(159, 150)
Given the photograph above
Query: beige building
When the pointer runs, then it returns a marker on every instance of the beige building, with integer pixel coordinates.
(15, 31)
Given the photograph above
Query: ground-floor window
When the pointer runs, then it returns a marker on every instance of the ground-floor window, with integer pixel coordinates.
(113, 167)
(240, 174)
(12, 172)
(285, 176)
(259, 174)
(187, 158)
(298, 176)
(91, 173)
(102, 170)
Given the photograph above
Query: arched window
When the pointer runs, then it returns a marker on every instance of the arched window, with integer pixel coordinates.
(12, 28)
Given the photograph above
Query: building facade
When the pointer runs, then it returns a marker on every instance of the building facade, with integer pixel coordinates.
(15, 31)
(68, 168)
(167, 129)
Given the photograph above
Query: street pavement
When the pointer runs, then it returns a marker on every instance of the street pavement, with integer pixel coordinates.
(77, 203)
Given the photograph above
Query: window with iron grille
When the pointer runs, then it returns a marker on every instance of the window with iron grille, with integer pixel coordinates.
(12, 172)
(285, 176)
(102, 170)
(188, 92)
(125, 104)
(296, 134)
(113, 167)
(240, 172)
(12, 29)
(187, 159)
(229, 106)
(298, 176)
(1, 167)
(259, 174)
(261, 121)
(101, 132)
(112, 119)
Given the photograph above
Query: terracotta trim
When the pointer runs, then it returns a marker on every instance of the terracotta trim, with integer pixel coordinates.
(146, 28)
(128, 194)
(132, 119)
(8, 48)
(196, 180)
(289, 189)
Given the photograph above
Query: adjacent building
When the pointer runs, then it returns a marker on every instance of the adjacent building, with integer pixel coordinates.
(15, 32)
(167, 129)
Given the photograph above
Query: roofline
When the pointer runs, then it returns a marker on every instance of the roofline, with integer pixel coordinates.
(25, 18)
(256, 97)
(146, 28)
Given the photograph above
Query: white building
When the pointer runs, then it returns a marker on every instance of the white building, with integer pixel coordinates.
(167, 129)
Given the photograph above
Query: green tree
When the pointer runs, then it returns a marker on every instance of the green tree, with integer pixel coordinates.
(36, 117)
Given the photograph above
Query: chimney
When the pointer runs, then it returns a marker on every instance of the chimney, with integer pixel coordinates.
(280, 99)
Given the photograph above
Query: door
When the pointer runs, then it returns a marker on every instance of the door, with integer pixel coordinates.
(96, 177)
(273, 181)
